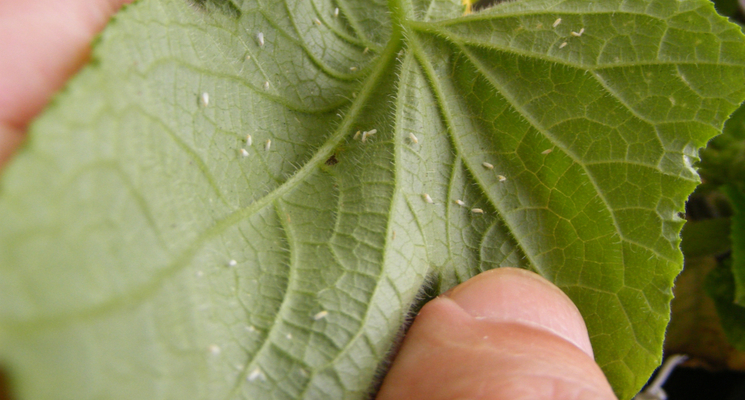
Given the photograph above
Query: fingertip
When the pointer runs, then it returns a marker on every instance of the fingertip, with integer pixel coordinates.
(493, 338)
(44, 43)
(10, 140)
(519, 296)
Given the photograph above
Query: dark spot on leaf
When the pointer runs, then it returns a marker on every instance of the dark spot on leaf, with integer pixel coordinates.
(332, 160)
(226, 7)
(5, 393)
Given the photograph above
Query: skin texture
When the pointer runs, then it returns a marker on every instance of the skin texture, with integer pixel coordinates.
(44, 43)
(504, 334)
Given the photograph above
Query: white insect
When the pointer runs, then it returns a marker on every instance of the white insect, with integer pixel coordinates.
(317, 22)
(460, 202)
(413, 138)
(427, 198)
(477, 211)
(204, 99)
(214, 350)
(367, 134)
(256, 374)
(199, 274)
(248, 140)
(289, 336)
(320, 315)
(336, 12)
(563, 44)
(243, 153)
(557, 22)
(232, 263)
(268, 145)
(545, 152)
(266, 85)
(501, 178)
(250, 328)
(488, 165)
(357, 135)
(261, 39)
(577, 34)
(352, 69)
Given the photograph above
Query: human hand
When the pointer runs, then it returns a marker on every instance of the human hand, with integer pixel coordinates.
(505, 334)
(43, 43)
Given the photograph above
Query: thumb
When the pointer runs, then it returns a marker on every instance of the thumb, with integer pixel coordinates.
(504, 334)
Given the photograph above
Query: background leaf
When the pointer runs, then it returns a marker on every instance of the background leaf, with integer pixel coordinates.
(720, 285)
(696, 327)
(737, 199)
(143, 255)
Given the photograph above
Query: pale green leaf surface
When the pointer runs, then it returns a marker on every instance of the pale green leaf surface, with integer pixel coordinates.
(125, 208)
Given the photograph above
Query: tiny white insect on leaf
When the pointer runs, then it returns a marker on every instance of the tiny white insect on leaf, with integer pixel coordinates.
(488, 165)
(261, 39)
(545, 152)
(557, 22)
(460, 202)
(289, 336)
(214, 350)
(413, 138)
(352, 69)
(320, 315)
(336, 12)
(232, 263)
(427, 198)
(256, 374)
(268, 145)
(577, 34)
(367, 134)
(266, 85)
(357, 135)
(248, 140)
(244, 153)
(477, 211)
(563, 44)
(317, 22)
(501, 178)
(204, 99)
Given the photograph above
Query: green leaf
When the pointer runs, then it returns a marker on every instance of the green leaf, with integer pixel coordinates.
(696, 326)
(720, 284)
(127, 209)
(723, 160)
(737, 199)
(708, 237)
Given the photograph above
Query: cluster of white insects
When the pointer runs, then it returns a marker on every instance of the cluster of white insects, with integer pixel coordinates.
(364, 135)
(575, 34)
(501, 178)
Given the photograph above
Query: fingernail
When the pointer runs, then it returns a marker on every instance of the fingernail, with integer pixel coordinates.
(514, 295)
